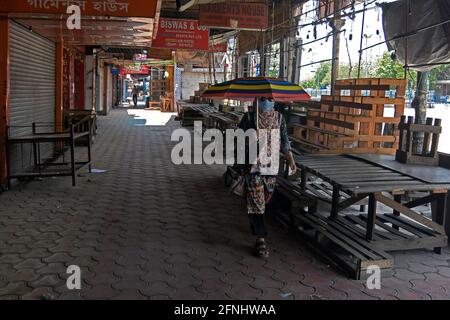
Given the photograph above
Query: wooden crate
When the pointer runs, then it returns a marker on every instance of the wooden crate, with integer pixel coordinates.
(354, 119)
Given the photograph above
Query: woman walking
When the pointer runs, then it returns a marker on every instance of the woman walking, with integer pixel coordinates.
(261, 178)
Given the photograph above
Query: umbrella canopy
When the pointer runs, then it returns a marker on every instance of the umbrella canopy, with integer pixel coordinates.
(257, 87)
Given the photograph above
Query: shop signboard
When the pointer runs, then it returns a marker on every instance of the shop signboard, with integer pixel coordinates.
(235, 15)
(140, 57)
(112, 8)
(134, 69)
(181, 34)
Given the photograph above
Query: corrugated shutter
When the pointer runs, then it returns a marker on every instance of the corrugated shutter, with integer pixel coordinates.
(32, 76)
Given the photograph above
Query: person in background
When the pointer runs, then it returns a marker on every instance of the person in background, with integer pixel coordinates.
(135, 93)
(260, 183)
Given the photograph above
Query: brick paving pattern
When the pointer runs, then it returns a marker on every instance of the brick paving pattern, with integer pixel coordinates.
(148, 229)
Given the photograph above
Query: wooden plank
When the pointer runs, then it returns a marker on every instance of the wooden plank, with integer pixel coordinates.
(412, 223)
(369, 87)
(351, 179)
(371, 217)
(367, 138)
(427, 174)
(334, 133)
(339, 167)
(348, 104)
(325, 160)
(381, 234)
(343, 124)
(418, 232)
(320, 186)
(351, 201)
(421, 201)
(388, 185)
(346, 241)
(321, 196)
(389, 229)
(409, 244)
(359, 231)
(358, 150)
(309, 143)
(410, 213)
(370, 100)
(393, 189)
(367, 174)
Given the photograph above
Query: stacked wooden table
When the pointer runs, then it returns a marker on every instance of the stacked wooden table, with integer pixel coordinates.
(346, 180)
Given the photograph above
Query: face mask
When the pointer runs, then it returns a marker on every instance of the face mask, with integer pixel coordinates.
(266, 106)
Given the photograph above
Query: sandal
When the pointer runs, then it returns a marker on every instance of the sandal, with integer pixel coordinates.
(261, 249)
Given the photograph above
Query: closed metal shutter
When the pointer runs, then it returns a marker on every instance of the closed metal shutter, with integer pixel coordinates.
(32, 99)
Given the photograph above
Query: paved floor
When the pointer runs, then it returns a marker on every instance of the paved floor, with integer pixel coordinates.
(147, 229)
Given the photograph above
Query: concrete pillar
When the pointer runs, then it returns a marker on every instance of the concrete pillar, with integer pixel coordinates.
(89, 65)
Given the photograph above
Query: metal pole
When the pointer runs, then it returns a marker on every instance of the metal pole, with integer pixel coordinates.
(298, 61)
(361, 40)
(257, 112)
(336, 23)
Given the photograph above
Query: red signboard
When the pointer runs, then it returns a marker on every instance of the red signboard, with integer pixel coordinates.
(181, 34)
(235, 15)
(113, 8)
(134, 69)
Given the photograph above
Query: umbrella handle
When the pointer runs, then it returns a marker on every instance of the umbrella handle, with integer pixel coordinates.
(257, 113)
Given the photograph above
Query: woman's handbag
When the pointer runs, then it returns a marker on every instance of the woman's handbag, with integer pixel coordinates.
(236, 181)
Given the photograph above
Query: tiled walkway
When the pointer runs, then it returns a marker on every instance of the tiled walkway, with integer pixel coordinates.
(147, 229)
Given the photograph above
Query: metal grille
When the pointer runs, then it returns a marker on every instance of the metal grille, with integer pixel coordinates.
(32, 74)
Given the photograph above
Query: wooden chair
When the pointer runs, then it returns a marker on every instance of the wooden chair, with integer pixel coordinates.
(167, 103)
(407, 152)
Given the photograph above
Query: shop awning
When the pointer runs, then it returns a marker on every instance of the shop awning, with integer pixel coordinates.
(108, 22)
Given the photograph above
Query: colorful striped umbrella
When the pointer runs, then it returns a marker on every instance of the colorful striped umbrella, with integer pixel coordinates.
(257, 87)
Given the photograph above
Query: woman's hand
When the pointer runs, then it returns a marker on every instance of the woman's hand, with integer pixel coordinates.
(293, 167)
(291, 161)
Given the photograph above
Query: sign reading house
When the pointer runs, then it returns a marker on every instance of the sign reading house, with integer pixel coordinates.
(181, 34)
(235, 15)
(113, 8)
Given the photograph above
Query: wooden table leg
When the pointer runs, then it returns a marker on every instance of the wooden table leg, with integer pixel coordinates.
(335, 203)
(303, 178)
(447, 215)
(439, 216)
(397, 198)
(371, 217)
